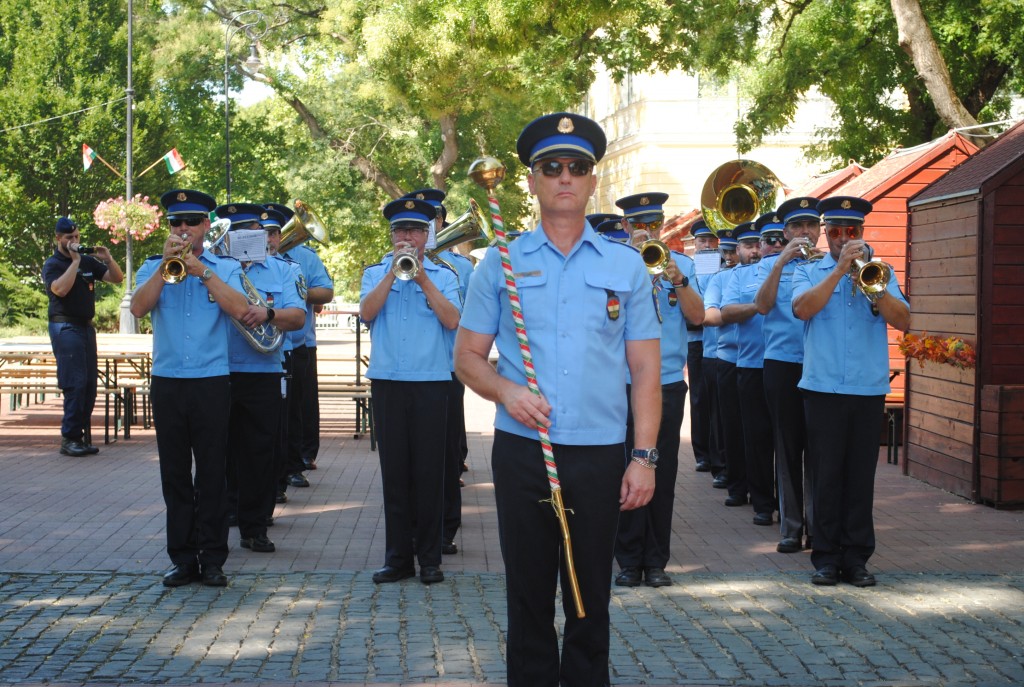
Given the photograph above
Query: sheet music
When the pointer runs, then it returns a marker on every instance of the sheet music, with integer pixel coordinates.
(706, 262)
(248, 245)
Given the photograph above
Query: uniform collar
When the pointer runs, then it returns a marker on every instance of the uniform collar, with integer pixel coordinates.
(537, 238)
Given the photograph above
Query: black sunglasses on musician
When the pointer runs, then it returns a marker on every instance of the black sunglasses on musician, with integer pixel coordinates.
(191, 221)
(774, 240)
(852, 231)
(553, 168)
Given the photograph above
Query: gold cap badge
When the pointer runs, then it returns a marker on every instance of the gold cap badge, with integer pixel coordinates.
(644, 200)
(565, 126)
(409, 205)
(182, 197)
(804, 204)
(264, 216)
(420, 196)
(232, 209)
(845, 205)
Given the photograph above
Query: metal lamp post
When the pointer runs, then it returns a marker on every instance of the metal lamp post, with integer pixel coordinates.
(245, 20)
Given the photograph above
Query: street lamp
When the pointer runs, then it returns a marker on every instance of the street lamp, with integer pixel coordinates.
(246, 20)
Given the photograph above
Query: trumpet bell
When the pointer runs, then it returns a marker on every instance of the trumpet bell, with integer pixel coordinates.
(405, 266)
(656, 255)
(303, 226)
(738, 191)
(871, 277)
(173, 270)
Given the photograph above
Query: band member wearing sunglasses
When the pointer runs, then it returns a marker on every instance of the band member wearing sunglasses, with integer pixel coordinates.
(190, 390)
(409, 312)
(845, 380)
(783, 366)
(738, 307)
(642, 547)
(589, 317)
(70, 277)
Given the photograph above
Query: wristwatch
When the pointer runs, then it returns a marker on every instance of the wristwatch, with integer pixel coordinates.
(205, 276)
(648, 457)
(683, 283)
(270, 314)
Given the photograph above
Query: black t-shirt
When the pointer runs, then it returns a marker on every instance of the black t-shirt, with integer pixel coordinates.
(80, 301)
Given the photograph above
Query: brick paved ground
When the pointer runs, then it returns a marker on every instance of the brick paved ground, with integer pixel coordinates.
(81, 552)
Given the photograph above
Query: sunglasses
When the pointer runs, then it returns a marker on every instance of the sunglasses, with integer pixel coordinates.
(553, 168)
(774, 240)
(407, 230)
(834, 231)
(191, 221)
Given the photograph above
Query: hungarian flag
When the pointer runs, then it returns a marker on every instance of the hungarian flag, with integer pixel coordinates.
(88, 155)
(174, 162)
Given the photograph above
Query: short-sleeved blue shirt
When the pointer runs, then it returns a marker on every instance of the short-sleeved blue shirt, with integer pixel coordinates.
(190, 331)
(726, 348)
(315, 275)
(783, 332)
(463, 270)
(673, 324)
(579, 310)
(846, 346)
(409, 342)
(741, 290)
(275, 280)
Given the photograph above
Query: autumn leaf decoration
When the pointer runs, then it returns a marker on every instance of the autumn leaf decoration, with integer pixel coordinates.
(950, 350)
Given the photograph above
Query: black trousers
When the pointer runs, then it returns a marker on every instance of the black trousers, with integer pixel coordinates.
(700, 418)
(409, 419)
(296, 411)
(74, 347)
(758, 443)
(785, 403)
(716, 433)
(455, 439)
(281, 443)
(310, 409)
(531, 546)
(732, 429)
(191, 418)
(253, 434)
(645, 533)
(842, 432)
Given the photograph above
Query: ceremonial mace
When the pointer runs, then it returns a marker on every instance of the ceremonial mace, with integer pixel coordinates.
(487, 172)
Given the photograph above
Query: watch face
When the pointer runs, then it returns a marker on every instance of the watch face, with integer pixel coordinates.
(652, 455)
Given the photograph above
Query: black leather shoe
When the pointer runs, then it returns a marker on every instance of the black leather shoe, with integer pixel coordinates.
(310, 464)
(788, 545)
(181, 575)
(733, 501)
(232, 519)
(389, 574)
(810, 543)
(281, 497)
(703, 466)
(449, 548)
(213, 576)
(763, 519)
(826, 576)
(260, 544)
(720, 482)
(859, 576)
(629, 577)
(297, 480)
(430, 574)
(657, 577)
(268, 521)
(91, 450)
(69, 447)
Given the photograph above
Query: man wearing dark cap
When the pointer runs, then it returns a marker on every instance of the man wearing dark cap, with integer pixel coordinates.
(256, 403)
(642, 547)
(70, 276)
(704, 241)
(783, 366)
(410, 303)
(190, 388)
(589, 317)
(845, 380)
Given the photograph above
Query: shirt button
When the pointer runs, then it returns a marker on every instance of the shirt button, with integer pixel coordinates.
(565, 372)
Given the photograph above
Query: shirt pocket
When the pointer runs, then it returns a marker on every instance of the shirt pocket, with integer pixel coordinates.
(605, 297)
(534, 299)
(835, 304)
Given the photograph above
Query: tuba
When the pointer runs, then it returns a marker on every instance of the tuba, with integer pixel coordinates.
(738, 191)
(303, 225)
(871, 276)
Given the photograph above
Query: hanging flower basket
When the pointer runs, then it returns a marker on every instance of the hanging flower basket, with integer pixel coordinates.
(950, 351)
(121, 218)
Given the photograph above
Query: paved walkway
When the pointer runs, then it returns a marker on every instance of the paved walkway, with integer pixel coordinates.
(81, 552)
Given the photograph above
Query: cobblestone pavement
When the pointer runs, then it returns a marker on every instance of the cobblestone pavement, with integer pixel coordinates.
(710, 629)
(81, 603)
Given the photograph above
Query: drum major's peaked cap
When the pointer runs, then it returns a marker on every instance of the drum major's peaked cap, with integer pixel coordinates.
(414, 210)
(804, 207)
(562, 134)
(183, 201)
(844, 209)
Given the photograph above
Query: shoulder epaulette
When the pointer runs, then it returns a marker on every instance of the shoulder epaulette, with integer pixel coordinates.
(154, 257)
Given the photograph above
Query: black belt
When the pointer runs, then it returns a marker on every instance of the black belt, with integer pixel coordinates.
(80, 321)
(694, 327)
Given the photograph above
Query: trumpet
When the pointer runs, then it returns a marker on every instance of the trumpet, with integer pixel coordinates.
(405, 266)
(656, 256)
(871, 276)
(173, 269)
(811, 254)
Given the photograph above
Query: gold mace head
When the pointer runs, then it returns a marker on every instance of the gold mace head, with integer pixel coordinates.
(487, 172)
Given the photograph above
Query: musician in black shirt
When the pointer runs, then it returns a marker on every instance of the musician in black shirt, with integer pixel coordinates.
(70, 277)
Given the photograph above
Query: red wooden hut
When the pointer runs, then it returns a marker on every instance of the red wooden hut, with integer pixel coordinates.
(965, 427)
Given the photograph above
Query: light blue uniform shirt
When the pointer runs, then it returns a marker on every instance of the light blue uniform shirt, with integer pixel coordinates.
(190, 331)
(673, 324)
(726, 349)
(464, 270)
(783, 332)
(741, 290)
(409, 344)
(275, 280)
(315, 274)
(708, 335)
(578, 347)
(848, 347)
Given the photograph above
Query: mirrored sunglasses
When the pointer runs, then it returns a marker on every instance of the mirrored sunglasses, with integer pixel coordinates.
(553, 168)
(852, 231)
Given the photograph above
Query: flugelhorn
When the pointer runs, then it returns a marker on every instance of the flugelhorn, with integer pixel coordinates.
(303, 226)
(173, 269)
(871, 276)
(738, 191)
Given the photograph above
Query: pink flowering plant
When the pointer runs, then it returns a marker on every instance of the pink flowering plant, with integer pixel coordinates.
(136, 217)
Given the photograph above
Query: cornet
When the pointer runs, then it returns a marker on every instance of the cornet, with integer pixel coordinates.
(405, 266)
(871, 276)
(173, 269)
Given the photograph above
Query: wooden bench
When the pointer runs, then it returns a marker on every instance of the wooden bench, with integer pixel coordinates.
(341, 378)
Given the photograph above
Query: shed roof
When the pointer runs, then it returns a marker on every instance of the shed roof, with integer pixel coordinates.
(969, 177)
(901, 165)
(824, 184)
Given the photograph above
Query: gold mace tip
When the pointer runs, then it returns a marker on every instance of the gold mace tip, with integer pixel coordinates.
(487, 172)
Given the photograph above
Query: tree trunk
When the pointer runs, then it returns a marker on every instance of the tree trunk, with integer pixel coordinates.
(916, 39)
(449, 154)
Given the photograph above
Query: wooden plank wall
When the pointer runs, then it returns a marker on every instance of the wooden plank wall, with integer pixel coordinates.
(1005, 348)
(1001, 452)
(940, 406)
